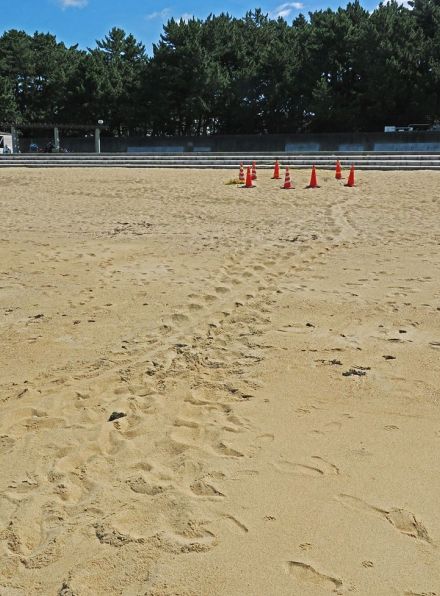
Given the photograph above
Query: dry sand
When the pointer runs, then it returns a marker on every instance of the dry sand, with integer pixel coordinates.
(276, 354)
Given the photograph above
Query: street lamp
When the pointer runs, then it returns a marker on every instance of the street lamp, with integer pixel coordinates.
(98, 137)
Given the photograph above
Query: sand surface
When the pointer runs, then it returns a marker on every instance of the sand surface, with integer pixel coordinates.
(276, 354)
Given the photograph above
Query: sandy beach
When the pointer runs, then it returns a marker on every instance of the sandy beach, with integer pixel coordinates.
(271, 361)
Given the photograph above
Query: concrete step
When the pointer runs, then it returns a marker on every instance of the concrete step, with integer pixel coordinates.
(385, 161)
(360, 166)
(228, 161)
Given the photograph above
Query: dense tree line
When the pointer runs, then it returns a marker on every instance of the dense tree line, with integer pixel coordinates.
(343, 70)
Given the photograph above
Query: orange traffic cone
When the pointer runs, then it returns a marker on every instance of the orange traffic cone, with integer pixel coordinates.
(338, 173)
(241, 174)
(254, 171)
(350, 181)
(313, 180)
(276, 171)
(249, 183)
(287, 183)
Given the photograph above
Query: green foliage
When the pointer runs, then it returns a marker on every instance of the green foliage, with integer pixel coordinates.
(337, 70)
(8, 105)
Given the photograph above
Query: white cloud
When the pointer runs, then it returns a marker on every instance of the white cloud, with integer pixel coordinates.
(403, 3)
(284, 10)
(165, 13)
(73, 3)
(159, 14)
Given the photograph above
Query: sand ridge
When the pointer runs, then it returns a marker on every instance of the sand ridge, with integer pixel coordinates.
(275, 354)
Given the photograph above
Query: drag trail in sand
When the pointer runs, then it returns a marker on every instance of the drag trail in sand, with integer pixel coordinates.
(274, 357)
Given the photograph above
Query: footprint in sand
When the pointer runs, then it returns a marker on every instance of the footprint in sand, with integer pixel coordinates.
(307, 574)
(139, 485)
(192, 541)
(24, 485)
(326, 466)
(6, 444)
(266, 438)
(179, 318)
(222, 290)
(235, 524)
(203, 489)
(195, 307)
(293, 468)
(320, 468)
(112, 537)
(228, 451)
(402, 520)
(334, 425)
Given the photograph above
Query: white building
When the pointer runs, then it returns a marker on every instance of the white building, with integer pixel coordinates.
(5, 141)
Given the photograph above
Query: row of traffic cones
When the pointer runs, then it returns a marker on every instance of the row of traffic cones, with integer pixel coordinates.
(252, 175)
(312, 184)
(338, 174)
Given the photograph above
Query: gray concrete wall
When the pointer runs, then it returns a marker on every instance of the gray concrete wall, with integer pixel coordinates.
(72, 144)
(293, 143)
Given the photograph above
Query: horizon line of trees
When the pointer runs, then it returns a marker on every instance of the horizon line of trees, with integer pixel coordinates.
(337, 70)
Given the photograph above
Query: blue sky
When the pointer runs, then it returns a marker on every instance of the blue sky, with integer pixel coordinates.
(84, 21)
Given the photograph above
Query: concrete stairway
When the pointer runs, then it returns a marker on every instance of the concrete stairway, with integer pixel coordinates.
(322, 160)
